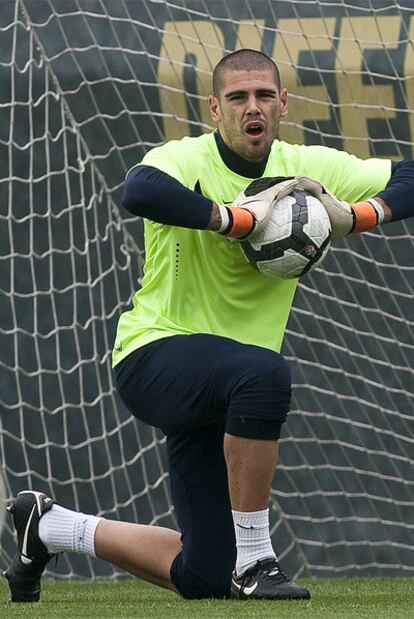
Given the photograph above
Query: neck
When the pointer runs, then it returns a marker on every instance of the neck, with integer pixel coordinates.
(249, 169)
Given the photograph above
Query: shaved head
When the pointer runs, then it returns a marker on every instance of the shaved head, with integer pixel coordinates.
(243, 60)
(248, 103)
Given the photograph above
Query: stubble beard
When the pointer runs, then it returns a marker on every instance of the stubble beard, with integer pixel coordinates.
(254, 152)
(248, 151)
(235, 139)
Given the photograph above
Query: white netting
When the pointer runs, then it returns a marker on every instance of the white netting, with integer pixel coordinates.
(87, 88)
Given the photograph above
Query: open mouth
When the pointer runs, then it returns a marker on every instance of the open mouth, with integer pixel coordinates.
(254, 129)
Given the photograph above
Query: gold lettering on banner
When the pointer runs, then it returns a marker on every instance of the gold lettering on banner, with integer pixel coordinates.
(358, 101)
(306, 102)
(250, 34)
(409, 76)
(202, 39)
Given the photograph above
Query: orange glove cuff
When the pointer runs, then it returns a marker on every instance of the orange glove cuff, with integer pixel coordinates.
(365, 217)
(242, 222)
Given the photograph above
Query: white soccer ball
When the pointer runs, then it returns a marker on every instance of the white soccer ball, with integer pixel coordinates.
(294, 241)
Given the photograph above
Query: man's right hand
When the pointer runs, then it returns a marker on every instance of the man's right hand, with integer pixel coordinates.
(252, 208)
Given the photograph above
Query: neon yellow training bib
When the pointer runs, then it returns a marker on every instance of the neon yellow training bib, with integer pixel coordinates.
(196, 281)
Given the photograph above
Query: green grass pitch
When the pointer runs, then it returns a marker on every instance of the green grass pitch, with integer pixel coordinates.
(338, 598)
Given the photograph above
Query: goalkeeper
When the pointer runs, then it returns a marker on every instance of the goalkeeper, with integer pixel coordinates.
(198, 353)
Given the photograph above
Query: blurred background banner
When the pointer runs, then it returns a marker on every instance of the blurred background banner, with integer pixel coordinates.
(87, 87)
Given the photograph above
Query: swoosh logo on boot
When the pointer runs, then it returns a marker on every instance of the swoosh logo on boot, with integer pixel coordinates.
(26, 535)
(246, 590)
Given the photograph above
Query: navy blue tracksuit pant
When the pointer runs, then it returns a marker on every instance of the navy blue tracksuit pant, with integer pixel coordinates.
(196, 388)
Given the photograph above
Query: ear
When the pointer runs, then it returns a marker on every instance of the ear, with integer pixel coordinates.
(283, 102)
(214, 108)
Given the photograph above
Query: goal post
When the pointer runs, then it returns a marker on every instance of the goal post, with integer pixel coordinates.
(87, 88)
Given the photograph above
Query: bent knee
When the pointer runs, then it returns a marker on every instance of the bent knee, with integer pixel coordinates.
(193, 591)
(193, 583)
(259, 399)
(273, 369)
(255, 368)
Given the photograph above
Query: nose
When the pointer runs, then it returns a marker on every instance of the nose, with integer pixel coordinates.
(252, 105)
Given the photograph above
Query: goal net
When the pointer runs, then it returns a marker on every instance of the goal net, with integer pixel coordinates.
(87, 88)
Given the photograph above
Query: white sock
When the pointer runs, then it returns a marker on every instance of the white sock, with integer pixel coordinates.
(252, 538)
(62, 529)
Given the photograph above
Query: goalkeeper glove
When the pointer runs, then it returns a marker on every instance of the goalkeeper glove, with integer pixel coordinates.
(252, 208)
(344, 218)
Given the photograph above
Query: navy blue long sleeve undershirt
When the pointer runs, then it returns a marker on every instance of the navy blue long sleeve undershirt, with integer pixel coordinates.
(155, 195)
(399, 192)
(150, 193)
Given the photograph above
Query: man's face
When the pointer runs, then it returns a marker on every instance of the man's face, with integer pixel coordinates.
(247, 112)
